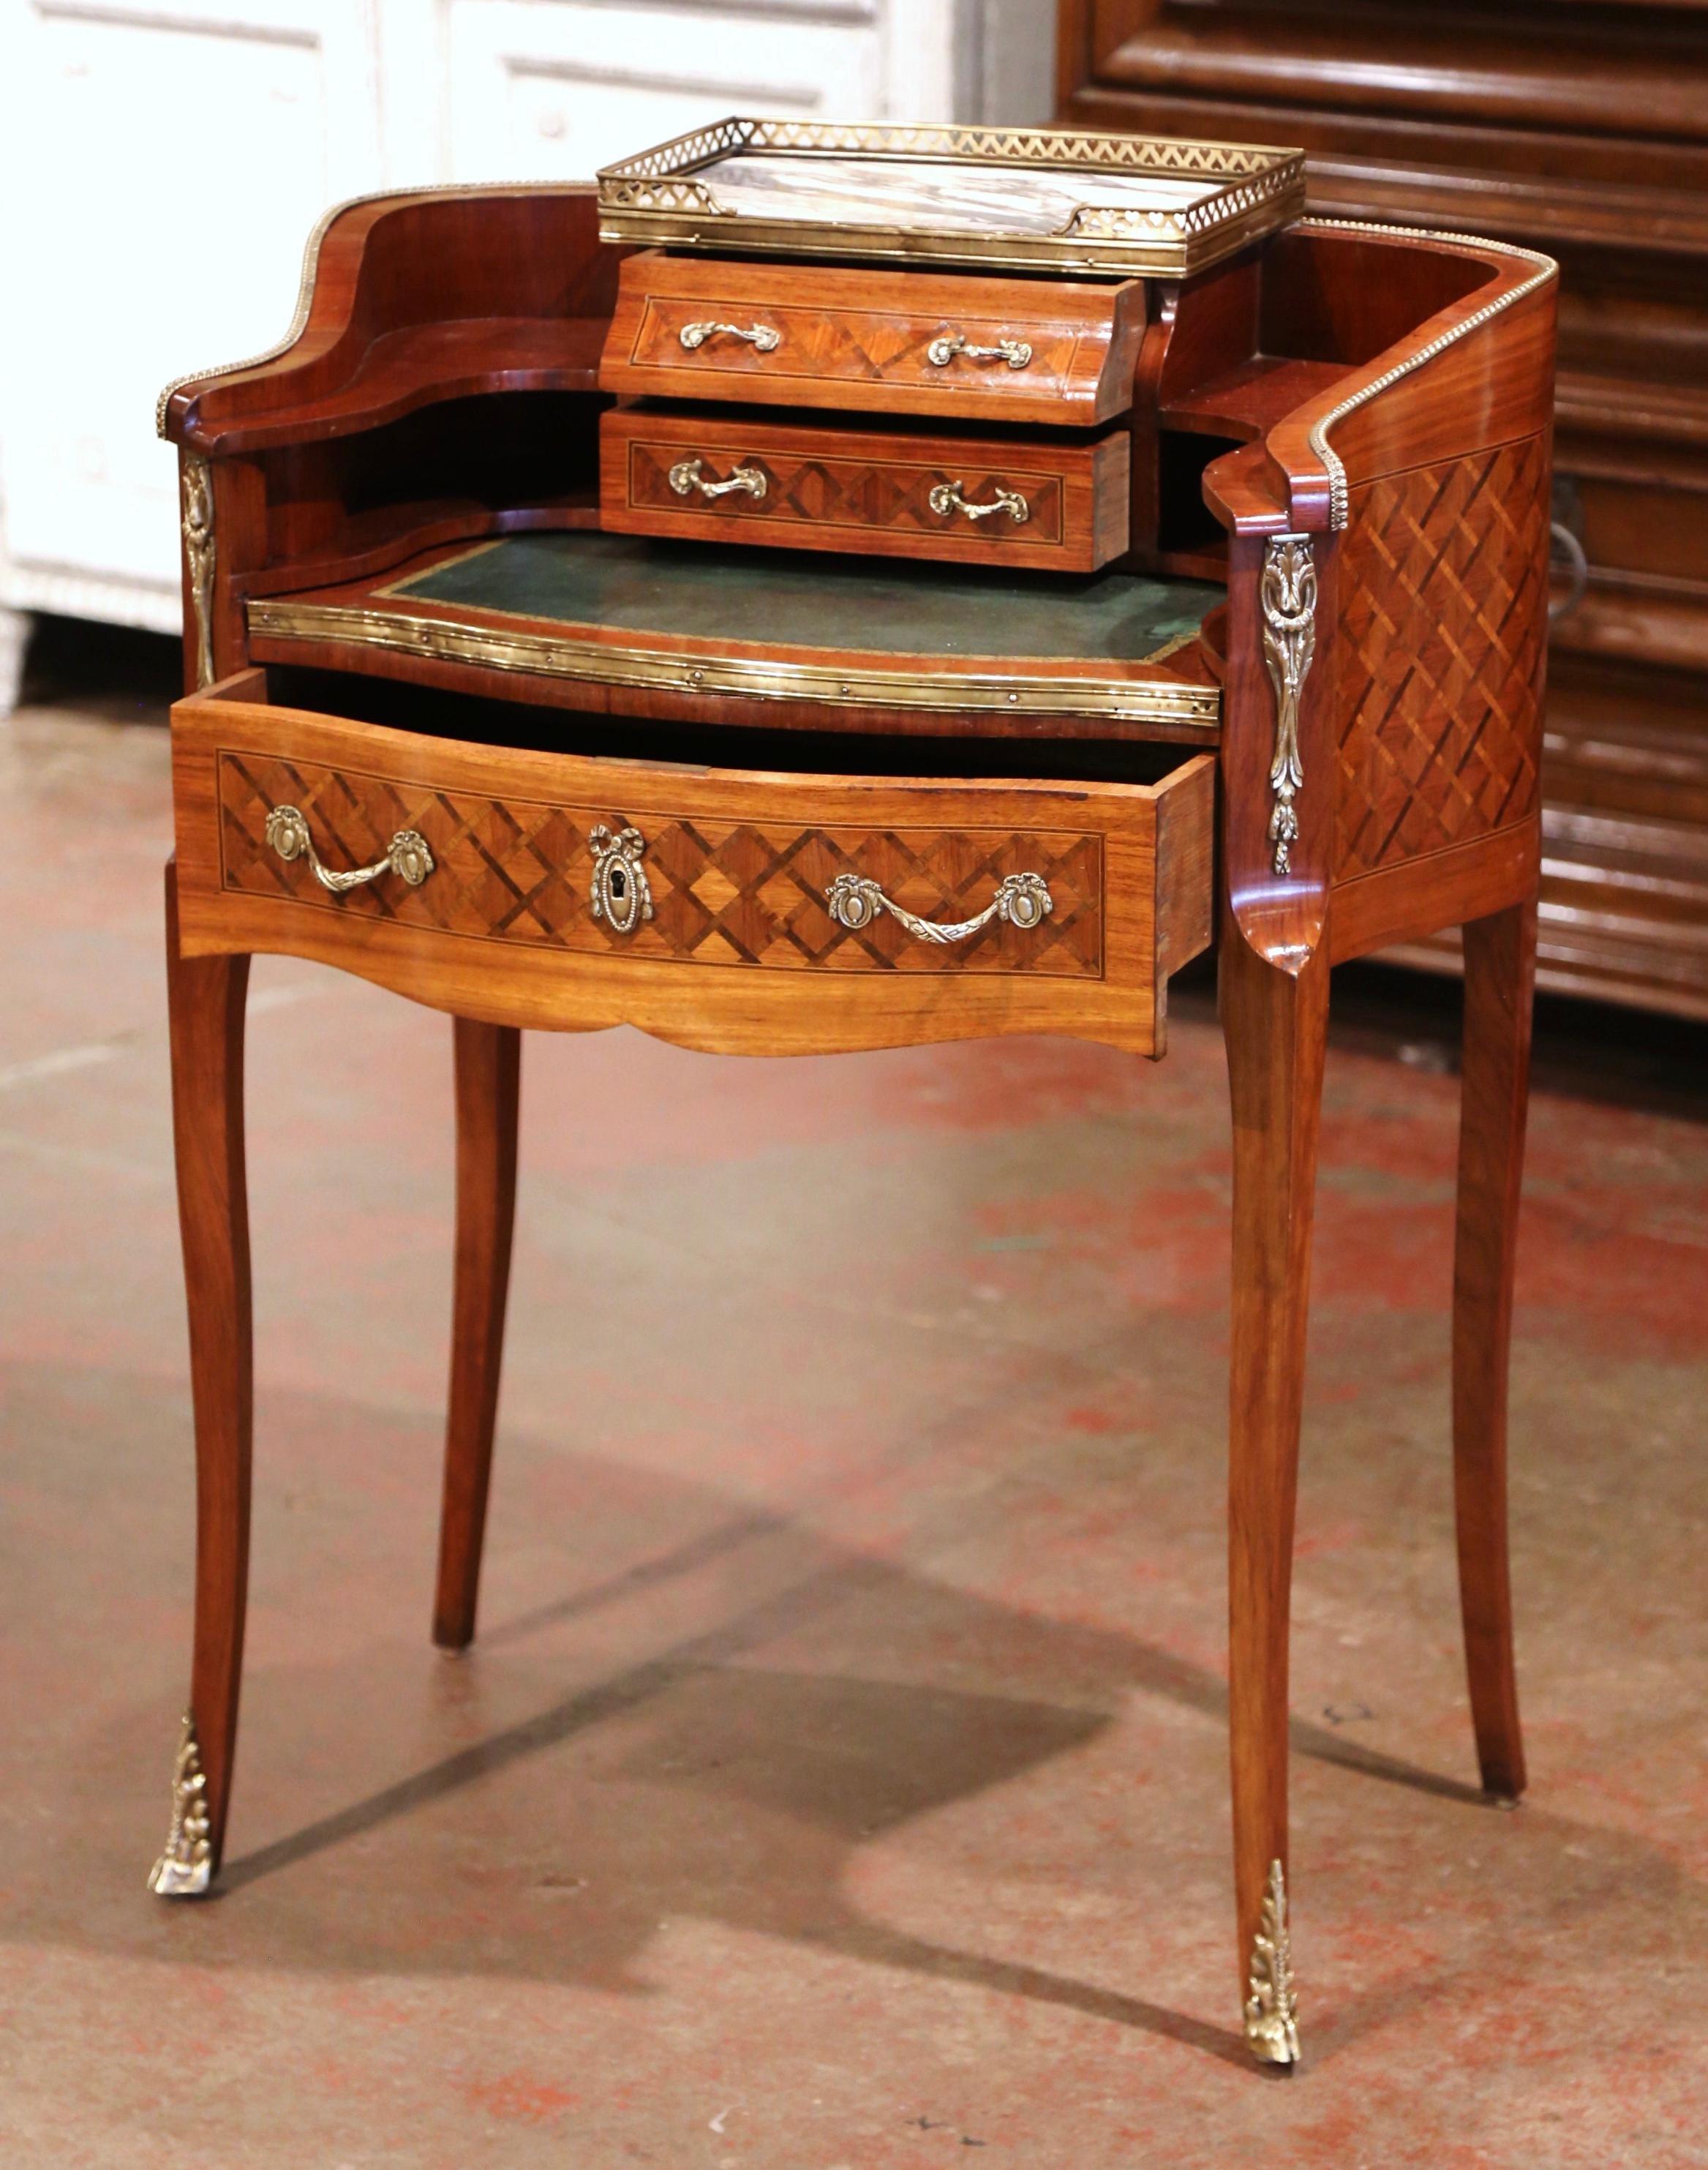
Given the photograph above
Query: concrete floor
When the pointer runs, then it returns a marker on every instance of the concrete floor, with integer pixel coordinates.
(840, 1780)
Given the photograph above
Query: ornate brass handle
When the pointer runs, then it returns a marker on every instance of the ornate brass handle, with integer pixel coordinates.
(762, 338)
(687, 476)
(1022, 899)
(946, 497)
(406, 854)
(942, 351)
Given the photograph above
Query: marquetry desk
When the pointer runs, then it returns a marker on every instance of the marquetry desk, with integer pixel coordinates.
(871, 631)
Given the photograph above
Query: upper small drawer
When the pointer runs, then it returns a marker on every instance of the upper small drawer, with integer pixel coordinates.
(891, 342)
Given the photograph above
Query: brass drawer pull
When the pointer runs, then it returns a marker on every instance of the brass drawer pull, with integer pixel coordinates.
(1022, 899)
(946, 497)
(942, 351)
(406, 854)
(687, 476)
(762, 338)
(622, 896)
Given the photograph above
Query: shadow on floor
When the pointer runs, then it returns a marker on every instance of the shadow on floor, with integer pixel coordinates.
(728, 1778)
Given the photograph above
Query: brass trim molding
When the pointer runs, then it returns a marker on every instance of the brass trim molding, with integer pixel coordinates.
(1545, 269)
(196, 488)
(185, 1870)
(1272, 2009)
(565, 656)
(1287, 591)
(665, 195)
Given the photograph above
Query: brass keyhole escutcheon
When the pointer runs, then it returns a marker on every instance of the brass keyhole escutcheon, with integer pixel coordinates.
(622, 895)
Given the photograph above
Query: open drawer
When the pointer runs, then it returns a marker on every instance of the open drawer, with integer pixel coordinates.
(746, 909)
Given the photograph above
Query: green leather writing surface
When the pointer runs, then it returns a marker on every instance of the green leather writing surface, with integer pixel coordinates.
(705, 593)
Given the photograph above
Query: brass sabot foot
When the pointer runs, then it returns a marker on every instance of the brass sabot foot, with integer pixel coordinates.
(1272, 2011)
(185, 1870)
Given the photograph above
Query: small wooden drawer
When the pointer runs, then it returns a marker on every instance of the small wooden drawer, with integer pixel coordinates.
(727, 908)
(1055, 351)
(1061, 504)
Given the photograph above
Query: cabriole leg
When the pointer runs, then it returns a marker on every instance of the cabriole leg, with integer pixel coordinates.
(205, 996)
(1500, 964)
(1275, 1026)
(489, 1069)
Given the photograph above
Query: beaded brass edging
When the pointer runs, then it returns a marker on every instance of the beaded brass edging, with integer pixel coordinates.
(563, 657)
(1546, 268)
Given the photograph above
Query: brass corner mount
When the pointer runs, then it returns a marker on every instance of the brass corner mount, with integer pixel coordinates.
(185, 1870)
(1272, 2009)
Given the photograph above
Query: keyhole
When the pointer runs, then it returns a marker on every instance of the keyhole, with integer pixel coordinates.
(619, 884)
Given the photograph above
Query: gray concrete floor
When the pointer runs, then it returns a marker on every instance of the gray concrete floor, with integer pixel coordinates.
(838, 1781)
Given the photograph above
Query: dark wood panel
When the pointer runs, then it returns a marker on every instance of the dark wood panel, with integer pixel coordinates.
(1582, 131)
(1612, 79)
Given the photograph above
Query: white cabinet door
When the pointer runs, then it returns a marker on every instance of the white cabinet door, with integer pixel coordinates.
(553, 89)
(164, 166)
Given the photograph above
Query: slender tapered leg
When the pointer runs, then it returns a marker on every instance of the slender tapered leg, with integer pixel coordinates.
(206, 995)
(1500, 968)
(488, 1071)
(1276, 1026)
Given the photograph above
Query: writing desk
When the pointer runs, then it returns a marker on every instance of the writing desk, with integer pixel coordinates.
(799, 653)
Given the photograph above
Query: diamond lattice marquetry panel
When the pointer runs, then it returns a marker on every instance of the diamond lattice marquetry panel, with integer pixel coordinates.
(1442, 624)
(724, 891)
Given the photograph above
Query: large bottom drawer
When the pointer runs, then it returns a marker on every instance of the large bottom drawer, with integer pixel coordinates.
(746, 910)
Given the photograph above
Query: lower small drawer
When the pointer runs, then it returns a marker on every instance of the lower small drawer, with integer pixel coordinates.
(718, 907)
(1059, 504)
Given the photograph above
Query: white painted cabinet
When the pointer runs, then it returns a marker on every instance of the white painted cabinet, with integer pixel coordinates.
(162, 161)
